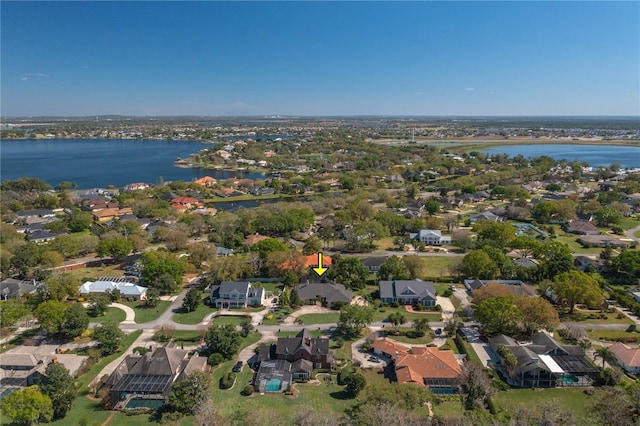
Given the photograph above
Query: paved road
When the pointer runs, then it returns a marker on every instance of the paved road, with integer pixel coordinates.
(631, 233)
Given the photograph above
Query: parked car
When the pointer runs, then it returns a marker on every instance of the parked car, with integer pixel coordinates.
(438, 331)
(237, 367)
(374, 359)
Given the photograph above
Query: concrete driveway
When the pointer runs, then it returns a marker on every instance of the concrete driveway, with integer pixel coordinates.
(483, 350)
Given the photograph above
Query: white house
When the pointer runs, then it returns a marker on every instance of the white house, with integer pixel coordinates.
(431, 237)
(241, 294)
(128, 290)
(628, 357)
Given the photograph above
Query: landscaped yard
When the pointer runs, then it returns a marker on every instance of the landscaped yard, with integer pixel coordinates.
(611, 318)
(574, 246)
(112, 314)
(426, 339)
(91, 274)
(144, 314)
(229, 319)
(611, 335)
(194, 317)
(383, 313)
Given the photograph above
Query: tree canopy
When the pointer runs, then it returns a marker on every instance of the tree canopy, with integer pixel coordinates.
(223, 339)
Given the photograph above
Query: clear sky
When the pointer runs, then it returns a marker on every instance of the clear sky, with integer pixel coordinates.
(320, 58)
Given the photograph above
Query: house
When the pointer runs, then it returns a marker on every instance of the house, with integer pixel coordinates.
(34, 216)
(628, 357)
(431, 237)
(206, 181)
(254, 239)
(183, 204)
(43, 236)
(305, 346)
(223, 251)
(145, 380)
(108, 214)
(476, 284)
(19, 369)
(484, 216)
(428, 367)
(586, 263)
(546, 363)
(232, 294)
(328, 294)
(12, 288)
(603, 241)
(408, 292)
(127, 290)
(582, 227)
(136, 186)
(373, 264)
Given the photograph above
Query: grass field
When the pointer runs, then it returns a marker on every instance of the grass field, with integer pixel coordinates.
(89, 274)
(319, 318)
(573, 400)
(229, 319)
(611, 335)
(383, 313)
(583, 317)
(440, 266)
(574, 246)
(111, 315)
(144, 314)
(194, 317)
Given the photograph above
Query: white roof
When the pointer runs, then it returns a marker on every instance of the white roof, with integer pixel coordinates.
(127, 289)
(551, 364)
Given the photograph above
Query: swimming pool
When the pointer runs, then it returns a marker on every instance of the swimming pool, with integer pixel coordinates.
(273, 384)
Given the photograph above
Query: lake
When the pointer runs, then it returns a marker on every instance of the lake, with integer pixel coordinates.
(595, 155)
(95, 163)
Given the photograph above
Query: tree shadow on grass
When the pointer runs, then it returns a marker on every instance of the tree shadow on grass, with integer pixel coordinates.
(341, 395)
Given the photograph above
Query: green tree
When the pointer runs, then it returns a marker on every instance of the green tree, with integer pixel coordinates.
(80, 221)
(396, 319)
(555, 258)
(627, 263)
(355, 383)
(348, 271)
(537, 313)
(508, 358)
(109, 336)
(60, 386)
(498, 315)
(192, 299)
(414, 266)
(223, 339)
(75, 322)
(500, 232)
(116, 248)
(152, 298)
(159, 263)
(574, 287)
(246, 327)
(200, 253)
(393, 268)
(188, 395)
(606, 355)
(27, 406)
(432, 207)
(313, 245)
(542, 212)
(478, 264)
(11, 311)
(607, 216)
(99, 304)
(51, 315)
(353, 318)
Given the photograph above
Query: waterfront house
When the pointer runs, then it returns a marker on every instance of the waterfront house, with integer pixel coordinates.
(206, 181)
(137, 186)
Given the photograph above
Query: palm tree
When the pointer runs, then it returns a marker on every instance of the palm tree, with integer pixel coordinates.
(605, 354)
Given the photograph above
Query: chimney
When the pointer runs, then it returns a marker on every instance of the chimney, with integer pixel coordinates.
(397, 356)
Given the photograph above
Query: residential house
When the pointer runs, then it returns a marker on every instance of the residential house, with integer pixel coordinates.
(431, 237)
(546, 363)
(232, 294)
(206, 181)
(145, 380)
(108, 214)
(43, 236)
(305, 346)
(582, 227)
(183, 204)
(604, 240)
(19, 370)
(223, 251)
(408, 292)
(628, 357)
(327, 294)
(12, 288)
(128, 290)
(34, 216)
(373, 264)
(476, 284)
(254, 239)
(484, 216)
(137, 186)
(587, 263)
(428, 367)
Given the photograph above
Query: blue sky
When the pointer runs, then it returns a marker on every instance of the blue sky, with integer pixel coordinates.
(320, 58)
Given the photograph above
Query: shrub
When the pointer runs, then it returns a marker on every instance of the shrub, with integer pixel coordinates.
(628, 339)
(447, 293)
(343, 374)
(395, 304)
(215, 359)
(418, 307)
(226, 381)
(631, 328)
(620, 315)
(140, 349)
(247, 390)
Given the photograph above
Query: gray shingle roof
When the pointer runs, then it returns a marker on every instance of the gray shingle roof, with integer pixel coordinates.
(407, 288)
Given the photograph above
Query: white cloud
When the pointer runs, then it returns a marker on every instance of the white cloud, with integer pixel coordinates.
(418, 93)
(469, 89)
(27, 76)
(23, 78)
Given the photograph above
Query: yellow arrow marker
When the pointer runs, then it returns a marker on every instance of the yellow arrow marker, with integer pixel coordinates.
(320, 269)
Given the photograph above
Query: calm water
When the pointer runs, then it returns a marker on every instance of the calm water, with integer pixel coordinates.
(97, 163)
(595, 155)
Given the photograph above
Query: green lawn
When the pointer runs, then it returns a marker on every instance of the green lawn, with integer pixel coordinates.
(90, 274)
(424, 340)
(144, 314)
(574, 246)
(611, 335)
(314, 333)
(85, 408)
(573, 400)
(229, 319)
(194, 317)
(584, 317)
(319, 318)
(382, 313)
(439, 266)
(448, 408)
(468, 349)
(111, 315)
